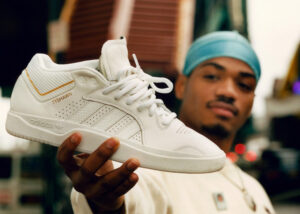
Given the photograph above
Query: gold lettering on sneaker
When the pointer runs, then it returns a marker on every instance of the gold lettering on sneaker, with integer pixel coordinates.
(59, 99)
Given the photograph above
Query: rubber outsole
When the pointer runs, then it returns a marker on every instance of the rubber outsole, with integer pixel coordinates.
(153, 159)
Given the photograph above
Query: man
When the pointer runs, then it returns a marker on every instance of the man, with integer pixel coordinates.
(217, 91)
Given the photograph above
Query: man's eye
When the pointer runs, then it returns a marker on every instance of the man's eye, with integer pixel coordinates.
(245, 86)
(210, 77)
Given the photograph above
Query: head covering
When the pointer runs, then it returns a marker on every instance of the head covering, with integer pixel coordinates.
(221, 44)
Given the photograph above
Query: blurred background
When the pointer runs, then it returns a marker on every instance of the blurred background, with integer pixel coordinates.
(159, 32)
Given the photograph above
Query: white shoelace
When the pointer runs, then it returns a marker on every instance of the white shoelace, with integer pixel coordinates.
(134, 81)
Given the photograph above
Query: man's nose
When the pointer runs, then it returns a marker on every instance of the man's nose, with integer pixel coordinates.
(228, 89)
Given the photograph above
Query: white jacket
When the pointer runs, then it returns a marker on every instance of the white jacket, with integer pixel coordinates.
(173, 193)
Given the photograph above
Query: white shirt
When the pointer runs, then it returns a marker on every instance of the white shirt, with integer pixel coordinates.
(174, 193)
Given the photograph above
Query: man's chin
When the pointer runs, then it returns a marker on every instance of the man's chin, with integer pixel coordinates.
(216, 130)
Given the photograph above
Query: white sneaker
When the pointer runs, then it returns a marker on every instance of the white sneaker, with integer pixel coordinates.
(104, 98)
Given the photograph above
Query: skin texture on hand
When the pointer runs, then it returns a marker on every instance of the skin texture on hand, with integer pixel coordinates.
(94, 175)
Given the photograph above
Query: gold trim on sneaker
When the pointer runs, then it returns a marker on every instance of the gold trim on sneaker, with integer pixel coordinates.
(48, 92)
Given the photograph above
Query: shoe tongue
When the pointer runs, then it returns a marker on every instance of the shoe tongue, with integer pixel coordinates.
(114, 57)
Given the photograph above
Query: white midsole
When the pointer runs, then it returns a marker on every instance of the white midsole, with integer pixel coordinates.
(54, 132)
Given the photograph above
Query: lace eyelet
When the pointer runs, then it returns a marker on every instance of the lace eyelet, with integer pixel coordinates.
(164, 124)
(116, 99)
(139, 110)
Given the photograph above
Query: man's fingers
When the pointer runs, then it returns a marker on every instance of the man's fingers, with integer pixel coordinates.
(98, 158)
(105, 168)
(66, 151)
(80, 158)
(108, 183)
(126, 185)
(86, 173)
(116, 177)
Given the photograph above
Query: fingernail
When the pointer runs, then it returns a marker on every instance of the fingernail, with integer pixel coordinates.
(74, 139)
(111, 143)
(132, 165)
(132, 178)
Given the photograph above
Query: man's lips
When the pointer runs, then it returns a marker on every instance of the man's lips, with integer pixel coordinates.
(223, 109)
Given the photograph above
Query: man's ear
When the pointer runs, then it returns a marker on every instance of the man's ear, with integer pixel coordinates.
(180, 86)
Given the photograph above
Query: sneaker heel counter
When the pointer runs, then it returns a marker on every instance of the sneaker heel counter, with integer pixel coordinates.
(20, 96)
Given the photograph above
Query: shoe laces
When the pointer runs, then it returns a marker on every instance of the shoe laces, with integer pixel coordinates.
(141, 86)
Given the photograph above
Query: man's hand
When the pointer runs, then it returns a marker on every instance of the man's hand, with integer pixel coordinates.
(94, 176)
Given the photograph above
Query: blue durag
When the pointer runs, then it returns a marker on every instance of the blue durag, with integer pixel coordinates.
(221, 44)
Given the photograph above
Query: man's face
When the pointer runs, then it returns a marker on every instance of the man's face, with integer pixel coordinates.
(218, 94)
